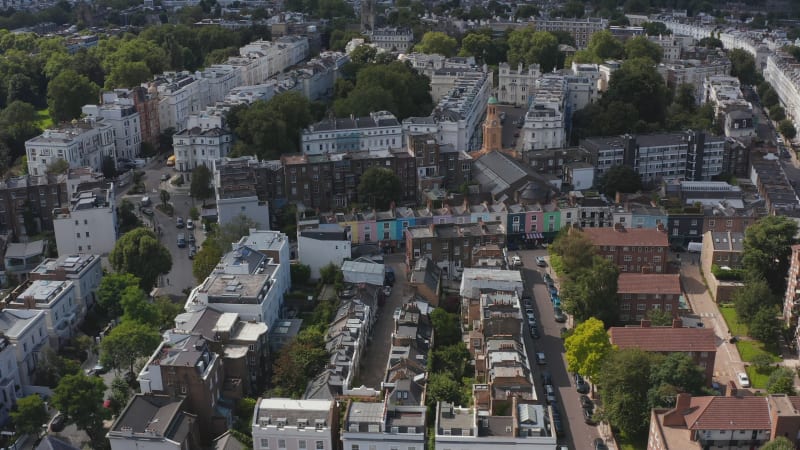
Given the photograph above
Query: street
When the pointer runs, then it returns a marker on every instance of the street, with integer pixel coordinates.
(180, 277)
(509, 128)
(579, 435)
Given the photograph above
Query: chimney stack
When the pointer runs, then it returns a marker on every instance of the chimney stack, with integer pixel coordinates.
(645, 323)
(677, 323)
(675, 416)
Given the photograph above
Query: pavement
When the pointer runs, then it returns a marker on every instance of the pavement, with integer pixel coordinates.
(373, 363)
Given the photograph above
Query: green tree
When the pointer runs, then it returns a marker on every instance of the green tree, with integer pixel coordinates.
(641, 47)
(437, 42)
(786, 127)
(451, 359)
(30, 415)
(476, 44)
(779, 443)
(528, 46)
(300, 273)
(525, 11)
(52, 368)
(656, 29)
(110, 291)
(128, 73)
(592, 292)
(108, 167)
(743, 66)
(571, 251)
(619, 179)
(233, 231)
(167, 311)
(80, 399)
(164, 195)
(120, 394)
(781, 381)
(67, 93)
(624, 383)
(18, 122)
(448, 331)
(201, 187)
(331, 274)
(675, 373)
(750, 298)
(603, 45)
(587, 347)
(379, 187)
(684, 97)
(300, 361)
(777, 113)
(206, 259)
(137, 308)
(764, 326)
(127, 342)
(393, 86)
(762, 362)
(767, 246)
(269, 128)
(127, 216)
(138, 252)
(638, 83)
(443, 388)
(57, 167)
(659, 318)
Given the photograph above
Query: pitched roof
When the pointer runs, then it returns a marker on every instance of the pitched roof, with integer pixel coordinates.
(649, 283)
(631, 237)
(728, 413)
(664, 339)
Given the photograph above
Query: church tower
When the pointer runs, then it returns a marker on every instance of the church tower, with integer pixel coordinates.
(492, 128)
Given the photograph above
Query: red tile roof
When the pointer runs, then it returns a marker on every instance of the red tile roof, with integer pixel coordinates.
(728, 413)
(649, 283)
(664, 339)
(632, 237)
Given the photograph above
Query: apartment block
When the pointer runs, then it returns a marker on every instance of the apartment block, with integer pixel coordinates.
(379, 131)
(204, 141)
(89, 224)
(694, 72)
(180, 94)
(121, 114)
(85, 271)
(81, 143)
(331, 181)
(449, 244)
(26, 329)
(640, 293)
(323, 245)
(295, 424)
(438, 166)
(56, 299)
(183, 366)
(236, 192)
(515, 86)
(693, 156)
(41, 194)
(637, 250)
(723, 249)
(276, 56)
(791, 300)
(782, 73)
(383, 426)
(395, 40)
(671, 47)
(545, 121)
(700, 344)
(580, 29)
(10, 384)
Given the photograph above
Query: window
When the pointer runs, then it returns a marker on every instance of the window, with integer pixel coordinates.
(281, 443)
(264, 443)
(354, 447)
(641, 307)
(301, 444)
(320, 445)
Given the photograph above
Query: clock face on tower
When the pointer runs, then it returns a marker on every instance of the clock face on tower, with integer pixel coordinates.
(494, 123)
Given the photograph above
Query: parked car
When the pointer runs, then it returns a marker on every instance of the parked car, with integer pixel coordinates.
(147, 211)
(541, 359)
(547, 378)
(528, 302)
(558, 424)
(535, 332)
(559, 315)
(181, 240)
(547, 279)
(387, 290)
(550, 394)
(58, 422)
(556, 301)
(581, 385)
(599, 444)
(588, 416)
(190, 224)
(586, 402)
(164, 176)
(516, 261)
(744, 380)
(192, 240)
(540, 261)
(179, 222)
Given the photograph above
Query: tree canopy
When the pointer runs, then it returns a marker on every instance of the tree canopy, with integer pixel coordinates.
(201, 185)
(127, 342)
(110, 290)
(587, 347)
(30, 415)
(641, 47)
(138, 252)
(528, 46)
(437, 42)
(767, 247)
(378, 187)
(571, 252)
(67, 93)
(787, 128)
(743, 66)
(638, 83)
(80, 399)
(592, 292)
(619, 178)
(781, 381)
(393, 86)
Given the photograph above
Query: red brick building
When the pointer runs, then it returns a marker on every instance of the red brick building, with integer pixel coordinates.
(641, 292)
(639, 250)
(699, 343)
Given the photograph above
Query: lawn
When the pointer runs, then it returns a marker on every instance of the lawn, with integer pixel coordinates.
(734, 326)
(44, 119)
(758, 380)
(749, 349)
(627, 443)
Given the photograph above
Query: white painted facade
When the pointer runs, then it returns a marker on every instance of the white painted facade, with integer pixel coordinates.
(84, 270)
(10, 384)
(89, 225)
(475, 279)
(269, 431)
(256, 210)
(318, 248)
(545, 121)
(379, 131)
(57, 300)
(120, 113)
(27, 331)
(397, 40)
(82, 144)
(205, 140)
(276, 56)
(516, 86)
(179, 96)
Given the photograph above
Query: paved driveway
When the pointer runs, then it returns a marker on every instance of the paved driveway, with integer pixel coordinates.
(579, 434)
(373, 363)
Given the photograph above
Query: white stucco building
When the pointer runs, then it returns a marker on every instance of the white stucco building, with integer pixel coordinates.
(56, 299)
(205, 140)
(10, 385)
(379, 131)
(89, 224)
(27, 331)
(389, 39)
(84, 270)
(179, 96)
(81, 143)
(545, 121)
(295, 424)
(515, 86)
(318, 247)
(121, 114)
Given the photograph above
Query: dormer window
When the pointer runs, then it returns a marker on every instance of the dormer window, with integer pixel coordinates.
(320, 424)
(281, 422)
(301, 424)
